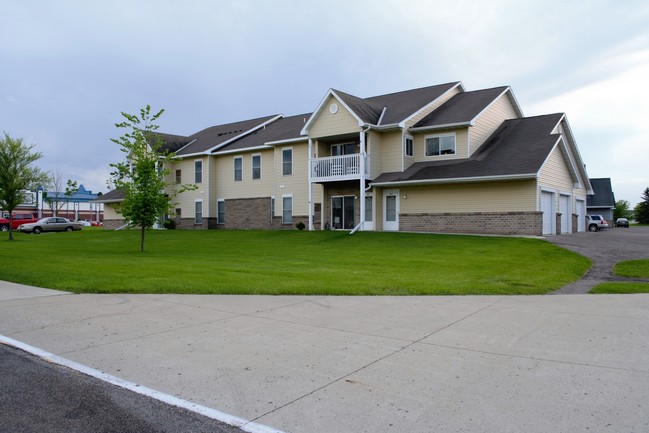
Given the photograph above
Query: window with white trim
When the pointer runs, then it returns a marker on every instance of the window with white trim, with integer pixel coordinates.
(409, 146)
(198, 212)
(178, 176)
(287, 162)
(438, 145)
(287, 209)
(220, 211)
(238, 168)
(256, 167)
(198, 171)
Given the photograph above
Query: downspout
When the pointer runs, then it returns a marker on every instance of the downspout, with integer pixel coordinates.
(310, 185)
(362, 188)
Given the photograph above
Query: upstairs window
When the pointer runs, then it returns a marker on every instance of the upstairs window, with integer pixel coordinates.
(256, 166)
(198, 171)
(287, 162)
(438, 145)
(409, 146)
(178, 176)
(238, 168)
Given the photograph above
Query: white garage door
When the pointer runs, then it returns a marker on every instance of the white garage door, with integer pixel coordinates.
(581, 215)
(547, 207)
(566, 215)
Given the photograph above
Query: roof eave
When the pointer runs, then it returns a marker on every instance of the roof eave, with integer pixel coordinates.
(444, 126)
(523, 176)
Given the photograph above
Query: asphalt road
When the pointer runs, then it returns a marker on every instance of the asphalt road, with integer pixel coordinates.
(36, 396)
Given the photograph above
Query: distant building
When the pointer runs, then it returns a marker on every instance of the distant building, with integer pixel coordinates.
(77, 206)
(602, 201)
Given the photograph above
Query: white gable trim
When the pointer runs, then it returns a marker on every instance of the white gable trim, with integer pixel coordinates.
(457, 180)
(402, 124)
(321, 106)
(243, 134)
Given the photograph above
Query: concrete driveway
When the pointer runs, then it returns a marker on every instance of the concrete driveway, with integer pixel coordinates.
(605, 248)
(363, 364)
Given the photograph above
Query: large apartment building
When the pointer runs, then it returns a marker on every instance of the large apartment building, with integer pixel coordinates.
(434, 159)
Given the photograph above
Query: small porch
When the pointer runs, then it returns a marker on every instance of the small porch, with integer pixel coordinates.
(338, 168)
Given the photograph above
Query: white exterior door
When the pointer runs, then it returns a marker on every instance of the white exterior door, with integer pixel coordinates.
(566, 214)
(547, 207)
(391, 210)
(369, 213)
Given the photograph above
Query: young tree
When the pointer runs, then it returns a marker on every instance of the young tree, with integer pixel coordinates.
(622, 209)
(53, 198)
(641, 211)
(143, 175)
(17, 174)
(70, 190)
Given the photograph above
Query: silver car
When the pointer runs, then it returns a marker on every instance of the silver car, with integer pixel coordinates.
(52, 224)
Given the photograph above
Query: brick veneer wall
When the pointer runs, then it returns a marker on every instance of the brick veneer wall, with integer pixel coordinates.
(498, 223)
(247, 213)
(113, 224)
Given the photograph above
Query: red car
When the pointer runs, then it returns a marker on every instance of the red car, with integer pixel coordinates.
(17, 220)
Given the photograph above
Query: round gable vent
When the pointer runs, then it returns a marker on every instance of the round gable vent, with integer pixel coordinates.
(333, 108)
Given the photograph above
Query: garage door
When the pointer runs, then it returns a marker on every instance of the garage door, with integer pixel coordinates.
(547, 207)
(581, 215)
(564, 208)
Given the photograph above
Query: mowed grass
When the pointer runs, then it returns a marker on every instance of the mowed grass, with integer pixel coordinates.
(287, 262)
(620, 288)
(630, 268)
(633, 268)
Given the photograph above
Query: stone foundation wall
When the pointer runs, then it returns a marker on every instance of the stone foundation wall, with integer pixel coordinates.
(497, 223)
(188, 224)
(113, 224)
(247, 214)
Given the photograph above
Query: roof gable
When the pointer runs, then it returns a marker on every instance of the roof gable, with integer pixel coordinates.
(602, 193)
(283, 129)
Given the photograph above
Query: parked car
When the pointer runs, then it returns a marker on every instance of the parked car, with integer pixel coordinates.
(51, 224)
(96, 223)
(595, 222)
(17, 220)
(622, 222)
(84, 223)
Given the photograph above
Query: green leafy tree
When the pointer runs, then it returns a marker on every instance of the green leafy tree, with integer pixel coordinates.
(71, 189)
(17, 174)
(622, 209)
(641, 211)
(143, 175)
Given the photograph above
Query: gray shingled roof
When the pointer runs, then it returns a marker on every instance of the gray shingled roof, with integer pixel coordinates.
(401, 105)
(110, 196)
(517, 147)
(173, 142)
(216, 135)
(398, 106)
(461, 108)
(286, 128)
(603, 193)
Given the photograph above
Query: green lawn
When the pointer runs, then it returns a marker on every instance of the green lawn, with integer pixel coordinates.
(288, 262)
(620, 287)
(633, 268)
(630, 268)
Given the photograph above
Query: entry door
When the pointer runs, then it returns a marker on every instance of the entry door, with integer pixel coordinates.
(342, 212)
(369, 213)
(391, 210)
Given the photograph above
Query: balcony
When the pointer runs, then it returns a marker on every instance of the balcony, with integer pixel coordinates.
(334, 168)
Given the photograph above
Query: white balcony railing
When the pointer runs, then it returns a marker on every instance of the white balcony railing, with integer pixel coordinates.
(343, 167)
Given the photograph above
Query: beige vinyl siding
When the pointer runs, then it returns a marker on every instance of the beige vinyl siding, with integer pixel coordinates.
(461, 145)
(227, 188)
(375, 153)
(554, 174)
(431, 107)
(330, 124)
(391, 152)
(186, 200)
(501, 110)
(110, 213)
(511, 196)
(296, 184)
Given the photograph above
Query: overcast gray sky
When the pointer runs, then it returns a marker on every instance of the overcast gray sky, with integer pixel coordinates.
(68, 68)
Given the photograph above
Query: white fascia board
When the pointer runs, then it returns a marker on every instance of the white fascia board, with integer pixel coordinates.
(191, 155)
(108, 201)
(243, 134)
(186, 145)
(287, 141)
(381, 116)
(402, 124)
(244, 150)
(457, 180)
(445, 126)
(575, 150)
(508, 89)
(515, 103)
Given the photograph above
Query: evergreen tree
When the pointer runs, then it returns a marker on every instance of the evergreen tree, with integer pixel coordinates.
(641, 211)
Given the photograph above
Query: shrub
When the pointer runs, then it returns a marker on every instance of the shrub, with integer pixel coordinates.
(300, 225)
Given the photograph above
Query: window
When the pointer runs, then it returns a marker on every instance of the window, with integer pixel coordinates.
(198, 212)
(343, 149)
(409, 146)
(287, 162)
(238, 168)
(440, 145)
(256, 166)
(220, 212)
(179, 212)
(317, 212)
(178, 176)
(198, 171)
(272, 208)
(287, 209)
(368, 208)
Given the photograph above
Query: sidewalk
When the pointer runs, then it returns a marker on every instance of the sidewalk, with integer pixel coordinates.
(363, 364)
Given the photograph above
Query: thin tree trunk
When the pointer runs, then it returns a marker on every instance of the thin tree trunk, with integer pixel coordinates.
(11, 225)
(142, 241)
